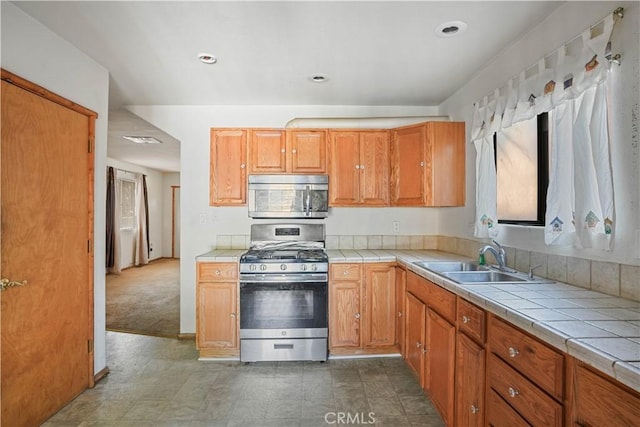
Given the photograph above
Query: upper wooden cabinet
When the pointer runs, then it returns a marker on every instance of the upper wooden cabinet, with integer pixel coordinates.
(428, 165)
(359, 166)
(228, 174)
(290, 151)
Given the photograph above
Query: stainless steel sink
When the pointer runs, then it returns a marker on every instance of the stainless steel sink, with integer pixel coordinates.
(466, 277)
(448, 266)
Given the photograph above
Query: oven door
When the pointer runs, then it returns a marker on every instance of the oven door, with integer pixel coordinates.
(292, 309)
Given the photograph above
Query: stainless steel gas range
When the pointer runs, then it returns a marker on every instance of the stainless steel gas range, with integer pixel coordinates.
(284, 294)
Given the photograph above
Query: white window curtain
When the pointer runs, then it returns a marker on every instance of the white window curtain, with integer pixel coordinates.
(580, 208)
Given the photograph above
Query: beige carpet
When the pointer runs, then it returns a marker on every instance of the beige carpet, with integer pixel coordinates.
(145, 300)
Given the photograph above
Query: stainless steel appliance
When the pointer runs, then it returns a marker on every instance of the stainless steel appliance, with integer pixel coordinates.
(284, 294)
(288, 196)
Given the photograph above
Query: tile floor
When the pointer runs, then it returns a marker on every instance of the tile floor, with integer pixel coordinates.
(159, 382)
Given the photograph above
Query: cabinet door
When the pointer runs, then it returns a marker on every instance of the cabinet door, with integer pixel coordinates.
(217, 325)
(374, 168)
(344, 168)
(401, 288)
(407, 170)
(379, 314)
(307, 151)
(440, 364)
(601, 402)
(344, 314)
(267, 151)
(445, 165)
(228, 174)
(414, 327)
(470, 376)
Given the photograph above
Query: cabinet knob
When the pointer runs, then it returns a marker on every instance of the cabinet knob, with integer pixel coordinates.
(294, 151)
(357, 315)
(465, 319)
(513, 392)
(283, 150)
(474, 409)
(345, 272)
(421, 164)
(418, 345)
(513, 352)
(399, 314)
(357, 166)
(233, 315)
(218, 272)
(242, 166)
(361, 166)
(424, 351)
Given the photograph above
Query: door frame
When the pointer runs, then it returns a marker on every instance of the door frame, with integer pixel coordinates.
(24, 84)
(174, 188)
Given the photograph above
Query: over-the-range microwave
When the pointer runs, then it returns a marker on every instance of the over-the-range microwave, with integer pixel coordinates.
(288, 196)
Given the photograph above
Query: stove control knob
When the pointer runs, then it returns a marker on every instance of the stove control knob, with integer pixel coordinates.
(263, 267)
(253, 267)
(304, 267)
(283, 267)
(314, 267)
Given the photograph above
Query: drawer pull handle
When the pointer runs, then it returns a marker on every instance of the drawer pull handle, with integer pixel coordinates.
(465, 319)
(513, 352)
(513, 392)
(474, 409)
(357, 315)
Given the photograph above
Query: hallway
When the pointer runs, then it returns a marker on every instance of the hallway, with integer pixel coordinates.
(159, 382)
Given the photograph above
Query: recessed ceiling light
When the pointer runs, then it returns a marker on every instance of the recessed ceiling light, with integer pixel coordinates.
(207, 58)
(143, 139)
(319, 78)
(450, 29)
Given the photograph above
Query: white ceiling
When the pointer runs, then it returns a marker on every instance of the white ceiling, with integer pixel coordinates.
(374, 53)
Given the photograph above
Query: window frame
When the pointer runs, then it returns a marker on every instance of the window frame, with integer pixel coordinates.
(120, 180)
(542, 130)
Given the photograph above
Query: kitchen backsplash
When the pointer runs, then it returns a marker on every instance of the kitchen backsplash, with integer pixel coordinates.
(607, 277)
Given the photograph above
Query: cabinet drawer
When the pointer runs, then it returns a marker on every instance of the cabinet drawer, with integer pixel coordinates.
(217, 271)
(531, 402)
(345, 272)
(500, 414)
(417, 286)
(442, 301)
(472, 320)
(535, 360)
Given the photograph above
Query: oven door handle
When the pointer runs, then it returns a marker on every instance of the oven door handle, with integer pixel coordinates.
(307, 201)
(283, 278)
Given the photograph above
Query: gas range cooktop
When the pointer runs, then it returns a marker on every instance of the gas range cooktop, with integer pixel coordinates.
(287, 255)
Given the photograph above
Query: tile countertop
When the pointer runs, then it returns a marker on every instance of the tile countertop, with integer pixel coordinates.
(598, 329)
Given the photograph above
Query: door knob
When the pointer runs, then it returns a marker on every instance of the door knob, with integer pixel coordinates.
(6, 283)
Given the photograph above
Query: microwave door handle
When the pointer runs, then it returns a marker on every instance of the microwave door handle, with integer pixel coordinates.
(307, 201)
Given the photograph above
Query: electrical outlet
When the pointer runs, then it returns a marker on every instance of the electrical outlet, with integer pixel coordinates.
(396, 226)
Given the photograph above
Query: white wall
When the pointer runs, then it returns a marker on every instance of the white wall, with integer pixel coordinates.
(33, 52)
(155, 193)
(169, 179)
(191, 125)
(564, 24)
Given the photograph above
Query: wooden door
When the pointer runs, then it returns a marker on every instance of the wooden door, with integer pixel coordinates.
(344, 168)
(47, 240)
(307, 151)
(379, 329)
(401, 287)
(445, 172)
(440, 364)
(470, 380)
(408, 162)
(344, 314)
(228, 175)
(415, 334)
(374, 168)
(217, 313)
(267, 151)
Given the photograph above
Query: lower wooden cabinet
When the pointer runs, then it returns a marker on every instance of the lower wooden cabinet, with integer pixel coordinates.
(415, 334)
(470, 380)
(440, 364)
(500, 414)
(401, 287)
(217, 320)
(362, 308)
(600, 401)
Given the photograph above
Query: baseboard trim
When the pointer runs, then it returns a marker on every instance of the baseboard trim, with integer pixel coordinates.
(100, 375)
(187, 337)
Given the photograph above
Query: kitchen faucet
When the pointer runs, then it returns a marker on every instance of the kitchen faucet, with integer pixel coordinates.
(499, 254)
